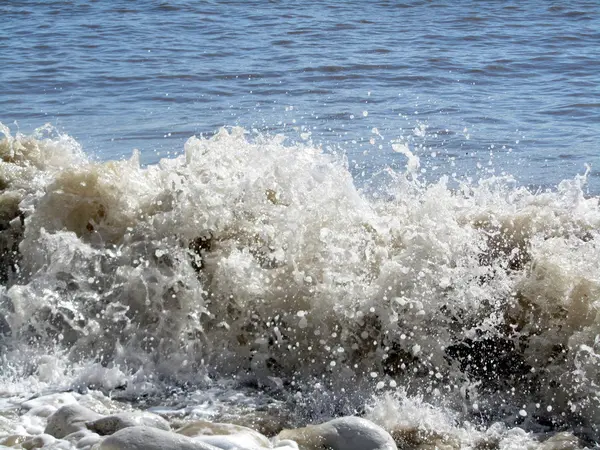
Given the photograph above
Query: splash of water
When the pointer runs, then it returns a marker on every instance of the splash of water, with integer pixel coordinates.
(248, 257)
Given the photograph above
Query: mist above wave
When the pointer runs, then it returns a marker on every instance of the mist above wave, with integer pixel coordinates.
(251, 258)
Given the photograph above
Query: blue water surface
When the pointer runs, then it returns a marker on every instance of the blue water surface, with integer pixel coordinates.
(473, 88)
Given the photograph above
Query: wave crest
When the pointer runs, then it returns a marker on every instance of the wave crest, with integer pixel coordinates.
(249, 256)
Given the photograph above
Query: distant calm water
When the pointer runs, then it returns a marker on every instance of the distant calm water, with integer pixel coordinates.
(472, 87)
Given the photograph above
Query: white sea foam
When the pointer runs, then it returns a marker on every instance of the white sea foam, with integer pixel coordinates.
(246, 257)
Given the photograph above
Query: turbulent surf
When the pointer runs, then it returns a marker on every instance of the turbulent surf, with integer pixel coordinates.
(472, 309)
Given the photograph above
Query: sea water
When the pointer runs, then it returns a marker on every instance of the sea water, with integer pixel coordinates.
(316, 209)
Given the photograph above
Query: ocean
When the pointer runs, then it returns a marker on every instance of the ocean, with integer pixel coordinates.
(300, 210)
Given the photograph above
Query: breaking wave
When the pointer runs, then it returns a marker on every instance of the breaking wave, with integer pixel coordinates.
(249, 258)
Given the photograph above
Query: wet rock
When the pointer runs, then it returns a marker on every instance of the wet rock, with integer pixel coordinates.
(113, 423)
(345, 433)
(38, 441)
(13, 440)
(422, 438)
(83, 439)
(147, 438)
(225, 436)
(269, 423)
(68, 419)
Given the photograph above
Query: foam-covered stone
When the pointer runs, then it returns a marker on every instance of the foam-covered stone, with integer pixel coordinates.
(115, 422)
(147, 438)
(345, 433)
(225, 436)
(69, 419)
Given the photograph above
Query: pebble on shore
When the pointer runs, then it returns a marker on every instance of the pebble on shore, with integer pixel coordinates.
(63, 421)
